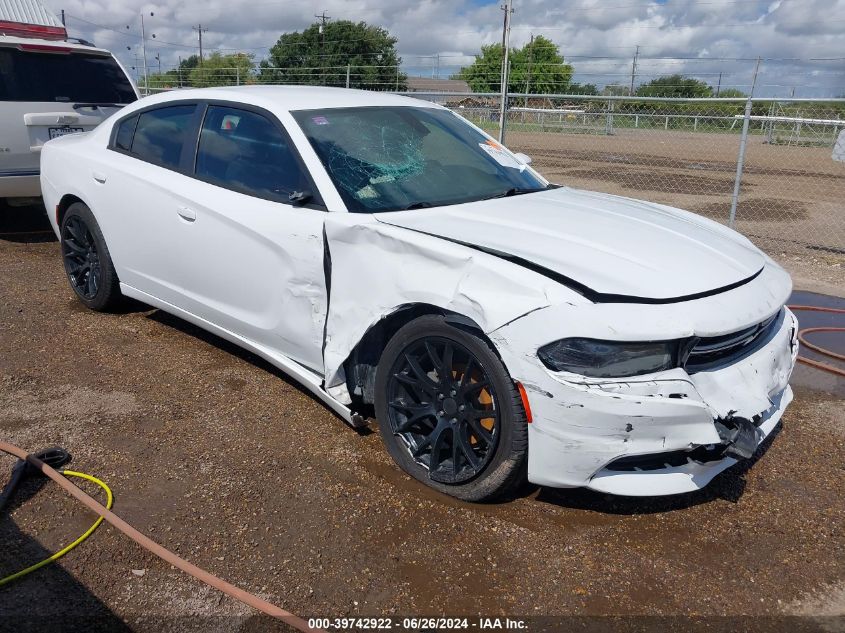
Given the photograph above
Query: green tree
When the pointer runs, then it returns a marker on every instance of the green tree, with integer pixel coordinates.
(485, 73)
(175, 78)
(616, 90)
(729, 93)
(223, 70)
(675, 86)
(157, 81)
(182, 73)
(312, 57)
(583, 89)
(538, 65)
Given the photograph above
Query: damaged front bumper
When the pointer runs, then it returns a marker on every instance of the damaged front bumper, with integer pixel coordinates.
(664, 475)
(667, 433)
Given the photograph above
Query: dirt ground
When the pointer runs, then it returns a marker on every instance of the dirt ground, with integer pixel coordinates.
(217, 456)
(792, 201)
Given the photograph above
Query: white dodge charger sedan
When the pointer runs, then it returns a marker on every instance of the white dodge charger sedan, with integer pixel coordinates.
(395, 259)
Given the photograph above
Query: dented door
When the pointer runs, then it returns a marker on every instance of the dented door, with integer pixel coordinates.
(255, 268)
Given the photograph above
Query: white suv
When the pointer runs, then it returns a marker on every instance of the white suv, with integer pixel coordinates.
(49, 89)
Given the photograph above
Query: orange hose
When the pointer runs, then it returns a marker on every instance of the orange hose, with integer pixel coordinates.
(817, 348)
(200, 574)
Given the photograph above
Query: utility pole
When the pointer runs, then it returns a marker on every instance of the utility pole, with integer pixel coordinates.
(530, 61)
(144, 50)
(323, 20)
(506, 38)
(634, 70)
(63, 18)
(200, 30)
(322, 29)
(719, 84)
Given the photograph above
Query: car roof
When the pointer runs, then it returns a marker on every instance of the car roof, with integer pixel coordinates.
(42, 44)
(290, 97)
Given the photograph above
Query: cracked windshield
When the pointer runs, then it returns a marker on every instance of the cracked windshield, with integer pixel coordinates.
(396, 158)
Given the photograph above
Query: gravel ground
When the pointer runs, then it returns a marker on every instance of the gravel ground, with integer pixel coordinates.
(217, 456)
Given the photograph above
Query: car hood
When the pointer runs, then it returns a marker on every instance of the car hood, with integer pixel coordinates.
(598, 243)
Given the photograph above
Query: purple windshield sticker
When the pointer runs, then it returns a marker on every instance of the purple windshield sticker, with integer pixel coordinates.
(320, 120)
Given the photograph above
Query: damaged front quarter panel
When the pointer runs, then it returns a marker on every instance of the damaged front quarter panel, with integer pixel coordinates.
(377, 269)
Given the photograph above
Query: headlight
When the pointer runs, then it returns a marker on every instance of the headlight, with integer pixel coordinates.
(609, 359)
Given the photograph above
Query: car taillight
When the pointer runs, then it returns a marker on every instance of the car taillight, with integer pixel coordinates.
(44, 48)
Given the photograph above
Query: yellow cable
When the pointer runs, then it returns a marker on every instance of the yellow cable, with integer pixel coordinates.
(62, 552)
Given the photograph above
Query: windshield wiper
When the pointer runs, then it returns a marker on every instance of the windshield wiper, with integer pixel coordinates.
(513, 191)
(417, 205)
(76, 106)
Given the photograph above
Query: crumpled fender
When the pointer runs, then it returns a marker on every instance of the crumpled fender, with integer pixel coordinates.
(376, 269)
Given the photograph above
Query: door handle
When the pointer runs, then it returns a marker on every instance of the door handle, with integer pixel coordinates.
(99, 177)
(186, 213)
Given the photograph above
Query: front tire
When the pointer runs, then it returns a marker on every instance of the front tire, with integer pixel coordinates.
(87, 261)
(449, 413)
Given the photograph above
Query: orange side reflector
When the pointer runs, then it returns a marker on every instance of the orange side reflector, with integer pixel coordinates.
(525, 404)
(57, 214)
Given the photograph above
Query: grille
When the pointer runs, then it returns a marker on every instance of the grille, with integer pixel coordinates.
(721, 350)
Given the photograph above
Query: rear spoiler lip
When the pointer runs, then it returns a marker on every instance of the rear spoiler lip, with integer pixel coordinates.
(57, 47)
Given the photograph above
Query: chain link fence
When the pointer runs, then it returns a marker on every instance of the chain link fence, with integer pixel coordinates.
(786, 191)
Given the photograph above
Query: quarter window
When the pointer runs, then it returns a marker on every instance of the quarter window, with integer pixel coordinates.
(125, 130)
(246, 152)
(160, 134)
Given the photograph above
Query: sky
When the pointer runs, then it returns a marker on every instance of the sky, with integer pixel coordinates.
(802, 42)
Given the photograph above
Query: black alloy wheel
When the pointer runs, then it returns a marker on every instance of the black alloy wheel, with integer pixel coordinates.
(82, 261)
(87, 261)
(449, 413)
(444, 408)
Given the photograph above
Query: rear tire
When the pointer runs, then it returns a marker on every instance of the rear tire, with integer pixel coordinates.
(87, 261)
(449, 413)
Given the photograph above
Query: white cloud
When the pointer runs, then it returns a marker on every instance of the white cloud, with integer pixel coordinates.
(789, 32)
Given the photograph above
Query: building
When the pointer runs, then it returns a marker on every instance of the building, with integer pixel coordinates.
(429, 84)
(29, 18)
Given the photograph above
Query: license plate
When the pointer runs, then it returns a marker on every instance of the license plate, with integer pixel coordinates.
(56, 132)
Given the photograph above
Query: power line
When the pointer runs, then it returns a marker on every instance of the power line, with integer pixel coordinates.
(568, 56)
(665, 27)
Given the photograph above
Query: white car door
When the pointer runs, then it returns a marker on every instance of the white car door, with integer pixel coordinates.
(252, 262)
(137, 186)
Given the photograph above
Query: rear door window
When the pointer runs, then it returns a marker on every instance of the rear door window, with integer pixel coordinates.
(160, 134)
(62, 76)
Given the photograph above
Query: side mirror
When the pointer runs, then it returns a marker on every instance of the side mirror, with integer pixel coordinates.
(300, 197)
(525, 159)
